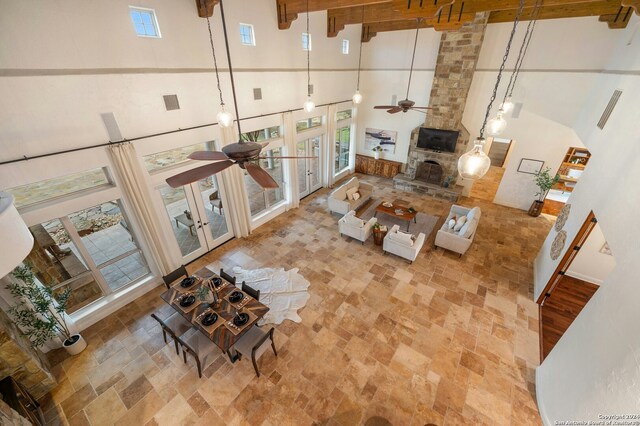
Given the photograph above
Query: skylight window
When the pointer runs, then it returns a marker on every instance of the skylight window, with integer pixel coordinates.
(247, 37)
(144, 22)
(345, 47)
(306, 41)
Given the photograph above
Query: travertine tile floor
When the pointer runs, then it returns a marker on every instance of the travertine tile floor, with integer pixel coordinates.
(445, 340)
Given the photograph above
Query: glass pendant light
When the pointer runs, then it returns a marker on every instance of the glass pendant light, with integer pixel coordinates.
(309, 105)
(496, 125)
(357, 97)
(507, 105)
(224, 117)
(475, 163)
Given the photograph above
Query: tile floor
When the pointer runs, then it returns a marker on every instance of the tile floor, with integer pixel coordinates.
(445, 340)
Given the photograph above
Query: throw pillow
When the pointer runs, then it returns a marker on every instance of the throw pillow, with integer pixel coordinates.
(451, 223)
(356, 196)
(340, 194)
(468, 228)
(461, 221)
(472, 213)
(350, 192)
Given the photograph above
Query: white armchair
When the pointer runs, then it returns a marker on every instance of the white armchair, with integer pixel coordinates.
(459, 241)
(354, 227)
(402, 244)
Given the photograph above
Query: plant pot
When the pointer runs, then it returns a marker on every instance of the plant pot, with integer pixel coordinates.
(376, 155)
(536, 208)
(75, 345)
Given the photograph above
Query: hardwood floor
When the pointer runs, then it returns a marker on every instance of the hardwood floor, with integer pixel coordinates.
(552, 207)
(562, 307)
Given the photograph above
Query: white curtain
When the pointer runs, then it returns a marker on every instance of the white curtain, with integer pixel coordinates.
(236, 192)
(290, 138)
(354, 140)
(133, 184)
(329, 148)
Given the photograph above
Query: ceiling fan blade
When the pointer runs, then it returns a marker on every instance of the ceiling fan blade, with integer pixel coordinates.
(394, 110)
(415, 107)
(260, 175)
(417, 110)
(198, 173)
(285, 158)
(384, 106)
(208, 155)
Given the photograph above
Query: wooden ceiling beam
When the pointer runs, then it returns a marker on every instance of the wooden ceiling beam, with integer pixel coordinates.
(371, 29)
(439, 16)
(205, 7)
(599, 8)
(288, 10)
(618, 20)
(635, 4)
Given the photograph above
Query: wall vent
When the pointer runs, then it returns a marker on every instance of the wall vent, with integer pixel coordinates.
(517, 108)
(609, 109)
(110, 123)
(171, 102)
(257, 94)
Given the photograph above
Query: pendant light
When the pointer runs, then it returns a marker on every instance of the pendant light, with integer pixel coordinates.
(475, 164)
(357, 97)
(224, 117)
(309, 105)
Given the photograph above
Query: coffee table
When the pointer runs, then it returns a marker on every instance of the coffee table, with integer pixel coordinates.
(404, 214)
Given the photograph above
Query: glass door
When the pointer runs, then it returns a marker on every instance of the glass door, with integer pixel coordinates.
(212, 216)
(309, 173)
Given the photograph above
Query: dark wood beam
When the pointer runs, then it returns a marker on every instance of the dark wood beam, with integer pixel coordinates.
(598, 8)
(288, 10)
(205, 7)
(618, 20)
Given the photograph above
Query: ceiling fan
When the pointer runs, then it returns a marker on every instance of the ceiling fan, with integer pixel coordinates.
(244, 153)
(406, 104)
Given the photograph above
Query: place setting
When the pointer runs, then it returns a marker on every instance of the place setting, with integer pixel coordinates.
(239, 321)
(238, 299)
(186, 302)
(209, 320)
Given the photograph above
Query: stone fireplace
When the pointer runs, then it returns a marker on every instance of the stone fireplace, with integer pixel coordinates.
(425, 170)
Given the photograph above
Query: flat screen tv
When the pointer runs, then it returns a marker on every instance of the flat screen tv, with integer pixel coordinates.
(437, 140)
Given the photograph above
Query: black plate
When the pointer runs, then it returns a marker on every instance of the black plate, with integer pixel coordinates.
(187, 300)
(187, 282)
(217, 281)
(241, 319)
(210, 318)
(236, 296)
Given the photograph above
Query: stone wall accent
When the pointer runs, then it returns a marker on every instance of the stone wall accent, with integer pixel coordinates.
(18, 359)
(456, 65)
(9, 416)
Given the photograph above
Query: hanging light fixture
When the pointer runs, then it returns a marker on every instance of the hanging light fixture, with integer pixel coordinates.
(309, 105)
(224, 117)
(507, 102)
(475, 164)
(357, 97)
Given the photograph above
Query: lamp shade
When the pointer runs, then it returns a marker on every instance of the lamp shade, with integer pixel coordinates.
(475, 163)
(496, 125)
(14, 234)
(225, 118)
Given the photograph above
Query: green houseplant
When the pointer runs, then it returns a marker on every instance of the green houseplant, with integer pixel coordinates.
(544, 182)
(40, 315)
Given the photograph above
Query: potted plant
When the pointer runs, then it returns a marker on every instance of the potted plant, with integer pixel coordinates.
(376, 152)
(544, 182)
(40, 315)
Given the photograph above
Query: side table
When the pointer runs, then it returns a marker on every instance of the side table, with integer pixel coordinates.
(378, 236)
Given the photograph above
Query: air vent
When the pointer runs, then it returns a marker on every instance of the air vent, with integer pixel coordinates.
(311, 89)
(517, 108)
(257, 94)
(609, 109)
(111, 125)
(171, 102)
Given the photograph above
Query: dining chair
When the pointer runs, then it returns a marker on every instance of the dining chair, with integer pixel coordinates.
(251, 291)
(175, 326)
(198, 346)
(173, 276)
(227, 277)
(254, 343)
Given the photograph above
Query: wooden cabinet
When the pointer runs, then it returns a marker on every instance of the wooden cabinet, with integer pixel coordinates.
(371, 166)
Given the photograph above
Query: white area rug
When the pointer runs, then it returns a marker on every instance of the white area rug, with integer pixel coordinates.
(284, 292)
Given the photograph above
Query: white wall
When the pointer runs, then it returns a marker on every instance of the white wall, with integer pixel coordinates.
(595, 369)
(590, 264)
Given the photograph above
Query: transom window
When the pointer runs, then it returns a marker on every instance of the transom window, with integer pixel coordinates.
(144, 22)
(308, 123)
(247, 37)
(306, 41)
(344, 115)
(49, 189)
(345, 47)
(262, 134)
(161, 160)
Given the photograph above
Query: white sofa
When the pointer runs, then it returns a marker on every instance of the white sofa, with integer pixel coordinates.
(340, 203)
(459, 241)
(402, 244)
(354, 227)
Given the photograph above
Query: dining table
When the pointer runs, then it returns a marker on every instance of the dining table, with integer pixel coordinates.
(224, 333)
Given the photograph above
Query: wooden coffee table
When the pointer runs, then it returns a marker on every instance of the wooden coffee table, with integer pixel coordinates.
(391, 211)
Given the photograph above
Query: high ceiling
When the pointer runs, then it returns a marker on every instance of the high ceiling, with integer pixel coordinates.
(442, 15)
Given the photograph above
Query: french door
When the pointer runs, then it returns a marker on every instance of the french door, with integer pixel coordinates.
(309, 172)
(197, 216)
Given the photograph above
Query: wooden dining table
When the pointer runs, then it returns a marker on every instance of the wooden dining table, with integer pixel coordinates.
(223, 333)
